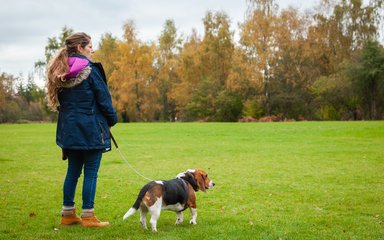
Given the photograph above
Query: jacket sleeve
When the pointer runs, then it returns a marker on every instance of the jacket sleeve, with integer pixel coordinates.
(103, 97)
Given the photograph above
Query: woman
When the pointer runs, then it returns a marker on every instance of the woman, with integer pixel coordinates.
(77, 90)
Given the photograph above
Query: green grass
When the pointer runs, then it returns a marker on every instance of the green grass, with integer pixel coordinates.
(300, 180)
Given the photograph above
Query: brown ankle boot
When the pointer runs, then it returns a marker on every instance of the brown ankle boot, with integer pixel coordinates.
(69, 217)
(88, 219)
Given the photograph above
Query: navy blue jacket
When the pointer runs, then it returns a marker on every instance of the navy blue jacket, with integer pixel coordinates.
(86, 111)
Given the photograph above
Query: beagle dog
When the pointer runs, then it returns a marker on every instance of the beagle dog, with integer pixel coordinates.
(176, 195)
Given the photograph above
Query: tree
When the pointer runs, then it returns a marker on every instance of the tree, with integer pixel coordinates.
(258, 40)
(216, 51)
(202, 104)
(293, 69)
(217, 48)
(367, 75)
(189, 74)
(132, 82)
(229, 106)
(168, 50)
(107, 53)
(30, 91)
(340, 29)
(336, 38)
(335, 98)
(54, 44)
(9, 109)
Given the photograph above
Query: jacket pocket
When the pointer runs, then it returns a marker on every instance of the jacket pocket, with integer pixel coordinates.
(101, 133)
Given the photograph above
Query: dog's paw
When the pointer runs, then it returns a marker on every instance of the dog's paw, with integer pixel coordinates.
(144, 225)
(193, 222)
(179, 221)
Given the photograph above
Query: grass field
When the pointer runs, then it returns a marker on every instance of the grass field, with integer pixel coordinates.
(299, 180)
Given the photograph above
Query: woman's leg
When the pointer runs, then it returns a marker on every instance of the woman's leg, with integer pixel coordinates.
(75, 165)
(91, 167)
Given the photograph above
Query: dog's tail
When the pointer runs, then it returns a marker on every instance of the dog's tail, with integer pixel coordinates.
(130, 212)
(138, 201)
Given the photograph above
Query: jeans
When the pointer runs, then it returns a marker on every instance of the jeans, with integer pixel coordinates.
(89, 160)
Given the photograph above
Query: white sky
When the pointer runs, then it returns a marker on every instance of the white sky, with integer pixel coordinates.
(25, 25)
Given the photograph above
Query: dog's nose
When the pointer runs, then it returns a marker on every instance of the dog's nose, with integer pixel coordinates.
(213, 184)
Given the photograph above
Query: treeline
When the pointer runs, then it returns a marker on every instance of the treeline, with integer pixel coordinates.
(22, 102)
(286, 65)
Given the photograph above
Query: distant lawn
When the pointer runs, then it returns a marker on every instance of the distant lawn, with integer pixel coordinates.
(299, 180)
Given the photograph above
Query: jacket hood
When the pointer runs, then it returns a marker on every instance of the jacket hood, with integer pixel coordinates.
(76, 65)
(79, 70)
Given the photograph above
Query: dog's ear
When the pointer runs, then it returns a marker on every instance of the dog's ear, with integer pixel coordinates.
(200, 180)
(189, 177)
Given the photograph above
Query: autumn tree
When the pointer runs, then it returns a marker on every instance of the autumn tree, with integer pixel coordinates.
(257, 37)
(21, 99)
(293, 70)
(107, 53)
(132, 82)
(217, 48)
(8, 108)
(321, 64)
(241, 80)
(166, 64)
(216, 58)
(339, 29)
(336, 37)
(189, 74)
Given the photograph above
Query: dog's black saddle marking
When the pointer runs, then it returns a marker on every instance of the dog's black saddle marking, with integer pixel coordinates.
(175, 191)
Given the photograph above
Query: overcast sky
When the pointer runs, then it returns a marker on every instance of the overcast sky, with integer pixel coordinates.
(25, 25)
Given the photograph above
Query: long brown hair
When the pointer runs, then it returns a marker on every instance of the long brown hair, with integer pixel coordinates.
(58, 66)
